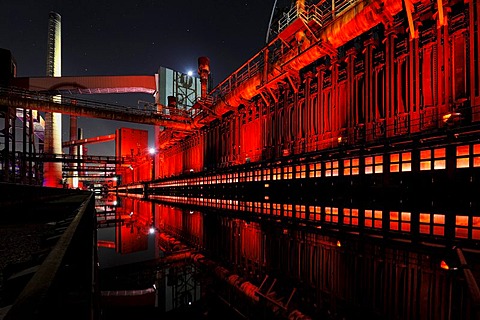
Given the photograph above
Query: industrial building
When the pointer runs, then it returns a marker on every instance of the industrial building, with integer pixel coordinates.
(333, 174)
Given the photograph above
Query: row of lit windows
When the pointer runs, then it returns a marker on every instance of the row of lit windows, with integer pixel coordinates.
(430, 224)
(429, 159)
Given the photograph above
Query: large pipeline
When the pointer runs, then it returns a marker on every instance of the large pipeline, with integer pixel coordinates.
(353, 22)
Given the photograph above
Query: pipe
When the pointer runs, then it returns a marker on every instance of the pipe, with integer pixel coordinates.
(360, 18)
(203, 72)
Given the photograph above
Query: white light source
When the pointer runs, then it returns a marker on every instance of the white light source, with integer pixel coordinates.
(151, 230)
(151, 150)
(190, 73)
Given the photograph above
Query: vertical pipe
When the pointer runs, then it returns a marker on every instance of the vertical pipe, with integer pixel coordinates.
(203, 72)
(23, 166)
(31, 143)
(6, 149)
(73, 136)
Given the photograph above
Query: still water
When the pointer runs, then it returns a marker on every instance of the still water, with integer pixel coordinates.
(144, 272)
(158, 260)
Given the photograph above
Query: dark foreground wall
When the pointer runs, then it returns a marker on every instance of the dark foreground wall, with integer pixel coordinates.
(48, 256)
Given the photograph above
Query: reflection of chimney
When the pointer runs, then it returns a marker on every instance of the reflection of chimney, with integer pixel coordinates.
(203, 72)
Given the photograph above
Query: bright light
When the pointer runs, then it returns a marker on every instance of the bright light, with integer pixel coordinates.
(151, 150)
(114, 203)
(190, 73)
(151, 230)
(115, 178)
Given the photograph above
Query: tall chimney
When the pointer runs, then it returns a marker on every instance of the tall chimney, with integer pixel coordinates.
(203, 72)
(52, 171)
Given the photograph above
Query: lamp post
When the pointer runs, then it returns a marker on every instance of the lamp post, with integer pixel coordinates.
(153, 152)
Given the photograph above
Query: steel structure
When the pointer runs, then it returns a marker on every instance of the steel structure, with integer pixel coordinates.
(359, 118)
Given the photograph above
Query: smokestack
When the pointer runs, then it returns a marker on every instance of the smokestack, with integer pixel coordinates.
(203, 72)
(52, 171)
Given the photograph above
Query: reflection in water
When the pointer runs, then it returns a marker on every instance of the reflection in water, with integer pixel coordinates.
(271, 265)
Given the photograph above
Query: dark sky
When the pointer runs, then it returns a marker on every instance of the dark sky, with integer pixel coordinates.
(134, 37)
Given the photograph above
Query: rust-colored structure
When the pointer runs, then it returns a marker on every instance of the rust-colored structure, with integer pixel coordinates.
(340, 73)
(355, 132)
(360, 119)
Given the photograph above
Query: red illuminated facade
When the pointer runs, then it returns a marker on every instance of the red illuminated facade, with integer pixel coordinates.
(367, 72)
(131, 145)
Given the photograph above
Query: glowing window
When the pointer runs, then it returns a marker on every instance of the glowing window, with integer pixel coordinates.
(287, 210)
(368, 222)
(314, 213)
(377, 219)
(347, 167)
(432, 224)
(463, 156)
(439, 155)
(400, 221)
(439, 224)
(350, 216)
(331, 214)
(373, 219)
(277, 173)
(476, 228)
(258, 175)
(276, 209)
(461, 227)
(331, 168)
(288, 172)
(401, 162)
(266, 208)
(351, 167)
(373, 164)
(476, 155)
(300, 171)
(266, 174)
(299, 211)
(425, 159)
(315, 170)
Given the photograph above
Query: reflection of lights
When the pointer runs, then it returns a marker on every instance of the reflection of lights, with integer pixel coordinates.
(115, 203)
(151, 230)
(130, 167)
(131, 213)
(191, 170)
(339, 244)
(191, 212)
(154, 287)
(115, 178)
(189, 303)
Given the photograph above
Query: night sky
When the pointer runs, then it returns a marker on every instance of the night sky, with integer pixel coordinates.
(134, 38)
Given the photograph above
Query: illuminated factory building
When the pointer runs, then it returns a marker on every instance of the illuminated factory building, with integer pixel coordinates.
(355, 132)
